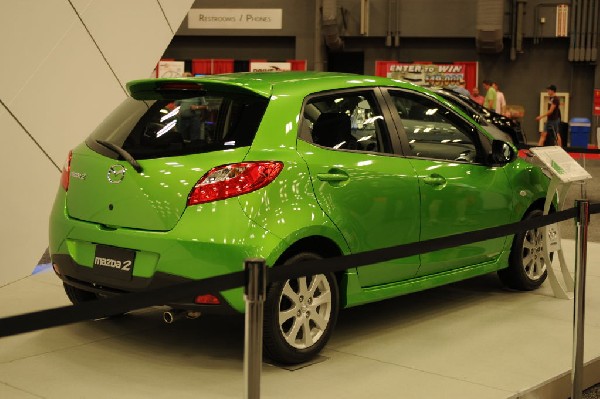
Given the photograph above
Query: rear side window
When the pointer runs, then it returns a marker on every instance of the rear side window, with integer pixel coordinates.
(345, 121)
(162, 128)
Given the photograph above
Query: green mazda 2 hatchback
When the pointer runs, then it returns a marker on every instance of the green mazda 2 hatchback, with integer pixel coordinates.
(189, 177)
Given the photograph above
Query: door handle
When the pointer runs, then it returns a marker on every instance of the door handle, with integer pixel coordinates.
(434, 180)
(333, 176)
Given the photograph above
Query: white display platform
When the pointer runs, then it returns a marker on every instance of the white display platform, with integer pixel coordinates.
(472, 339)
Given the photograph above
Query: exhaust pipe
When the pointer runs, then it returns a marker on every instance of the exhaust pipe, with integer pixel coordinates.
(170, 316)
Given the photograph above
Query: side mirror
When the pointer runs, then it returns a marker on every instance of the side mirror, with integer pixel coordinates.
(502, 152)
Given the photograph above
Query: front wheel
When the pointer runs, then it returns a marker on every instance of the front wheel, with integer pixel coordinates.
(527, 269)
(300, 315)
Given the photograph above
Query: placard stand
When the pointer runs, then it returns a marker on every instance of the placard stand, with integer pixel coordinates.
(563, 172)
(552, 244)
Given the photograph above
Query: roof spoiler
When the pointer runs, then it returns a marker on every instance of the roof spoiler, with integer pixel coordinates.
(174, 88)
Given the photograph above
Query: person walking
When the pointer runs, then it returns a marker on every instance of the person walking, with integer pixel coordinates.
(490, 95)
(460, 89)
(552, 125)
(500, 100)
(476, 96)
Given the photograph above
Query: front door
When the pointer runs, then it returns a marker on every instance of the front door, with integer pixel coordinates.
(459, 191)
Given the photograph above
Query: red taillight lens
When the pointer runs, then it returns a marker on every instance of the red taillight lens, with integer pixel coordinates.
(232, 180)
(66, 172)
(207, 299)
(181, 86)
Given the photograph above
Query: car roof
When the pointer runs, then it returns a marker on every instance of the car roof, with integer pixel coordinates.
(274, 83)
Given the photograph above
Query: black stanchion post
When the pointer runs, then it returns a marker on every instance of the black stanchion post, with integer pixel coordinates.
(255, 292)
(583, 216)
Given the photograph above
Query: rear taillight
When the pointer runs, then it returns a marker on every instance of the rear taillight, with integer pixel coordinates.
(66, 172)
(180, 86)
(207, 299)
(232, 180)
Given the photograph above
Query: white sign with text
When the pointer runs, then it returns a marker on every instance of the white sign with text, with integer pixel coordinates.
(235, 18)
(170, 69)
(270, 66)
(558, 162)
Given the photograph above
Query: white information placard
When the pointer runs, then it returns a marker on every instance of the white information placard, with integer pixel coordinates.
(270, 66)
(170, 69)
(558, 162)
(235, 18)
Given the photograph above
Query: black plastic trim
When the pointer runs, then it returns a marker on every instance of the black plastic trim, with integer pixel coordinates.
(84, 278)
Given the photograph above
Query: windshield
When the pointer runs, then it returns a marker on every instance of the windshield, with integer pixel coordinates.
(160, 128)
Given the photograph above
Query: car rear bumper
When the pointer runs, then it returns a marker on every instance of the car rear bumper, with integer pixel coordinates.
(86, 279)
(202, 245)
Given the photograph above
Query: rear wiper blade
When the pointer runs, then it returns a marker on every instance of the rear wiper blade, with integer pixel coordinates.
(124, 154)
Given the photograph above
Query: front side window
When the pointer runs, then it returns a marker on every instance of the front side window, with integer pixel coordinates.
(345, 121)
(433, 131)
(159, 128)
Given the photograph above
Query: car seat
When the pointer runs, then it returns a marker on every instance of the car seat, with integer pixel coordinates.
(333, 130)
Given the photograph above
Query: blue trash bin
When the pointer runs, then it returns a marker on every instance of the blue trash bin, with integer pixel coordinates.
(580, 132)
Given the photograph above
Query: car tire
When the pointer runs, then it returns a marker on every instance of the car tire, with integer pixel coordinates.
(298, 319)
(527, 269)
(77, 295)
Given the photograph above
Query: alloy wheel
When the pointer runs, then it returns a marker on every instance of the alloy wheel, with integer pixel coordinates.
(304, 310)
(533, 254)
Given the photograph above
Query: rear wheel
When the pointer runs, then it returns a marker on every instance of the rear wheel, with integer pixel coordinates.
(300, 315)
(77, 295)
(527, 269)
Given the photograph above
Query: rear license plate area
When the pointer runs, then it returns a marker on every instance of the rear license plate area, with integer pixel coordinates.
(114, 262)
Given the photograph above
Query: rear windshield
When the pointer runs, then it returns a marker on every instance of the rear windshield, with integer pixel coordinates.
(162, 128)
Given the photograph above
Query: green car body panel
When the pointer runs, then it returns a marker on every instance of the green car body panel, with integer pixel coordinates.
(384, 200)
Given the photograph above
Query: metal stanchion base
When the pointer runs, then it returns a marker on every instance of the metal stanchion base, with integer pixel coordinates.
(294, 367)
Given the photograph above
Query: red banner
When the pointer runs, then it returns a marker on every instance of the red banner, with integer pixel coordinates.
(430, 74)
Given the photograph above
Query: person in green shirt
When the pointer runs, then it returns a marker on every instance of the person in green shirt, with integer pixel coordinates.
(490, 96)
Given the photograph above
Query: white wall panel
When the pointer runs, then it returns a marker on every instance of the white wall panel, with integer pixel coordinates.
(133, 41)
(29, 181)
(70, 94)
(29, 31)
(176, 11)
(59, 61)
(81, 4)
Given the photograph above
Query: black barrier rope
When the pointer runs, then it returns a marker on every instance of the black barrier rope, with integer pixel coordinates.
(28, 322)
(580, 150)
(406, 250)
(42, 319)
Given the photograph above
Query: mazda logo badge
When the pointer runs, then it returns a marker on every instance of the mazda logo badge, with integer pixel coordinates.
(116, 174)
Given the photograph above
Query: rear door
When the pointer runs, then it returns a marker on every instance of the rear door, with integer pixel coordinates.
(366, 189)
